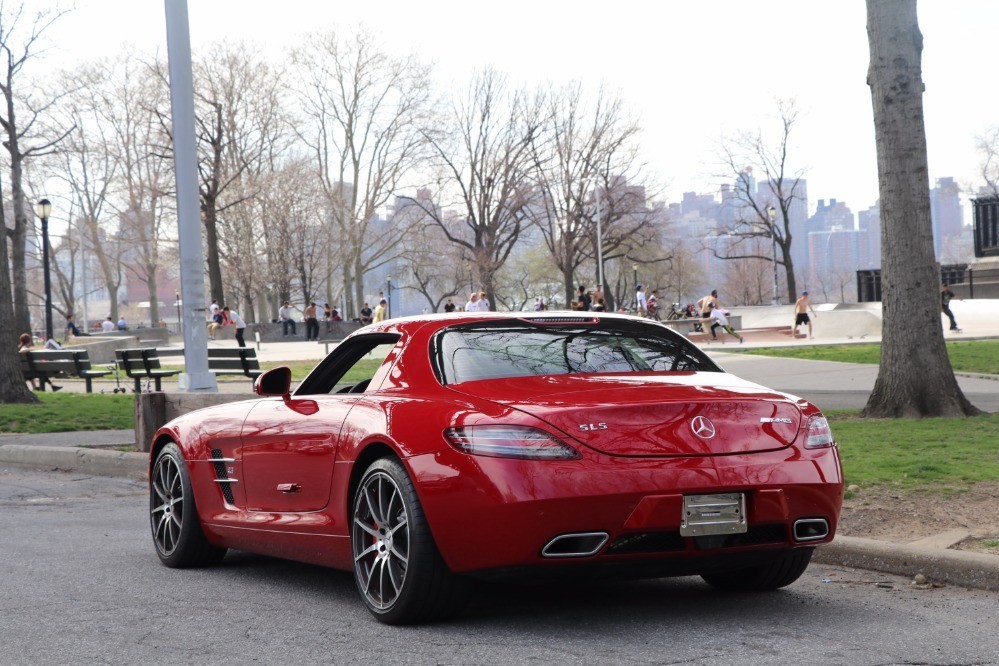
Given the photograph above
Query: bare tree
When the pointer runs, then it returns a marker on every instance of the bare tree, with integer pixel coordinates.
(482, 163)
(144, 182)
(21, 31)
(428, 274)
(780, 187)
(365, 113)
(988, 148)
(88, 163)
(915, 378)
(583, 158)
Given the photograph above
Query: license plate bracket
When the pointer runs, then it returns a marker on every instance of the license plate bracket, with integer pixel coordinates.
(705, 515)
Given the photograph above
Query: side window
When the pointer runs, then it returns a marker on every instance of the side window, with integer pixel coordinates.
(350, 367)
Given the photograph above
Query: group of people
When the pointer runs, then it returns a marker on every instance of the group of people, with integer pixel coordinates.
(312, 313)
(225, 316)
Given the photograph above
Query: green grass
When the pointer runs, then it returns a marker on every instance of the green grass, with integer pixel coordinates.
(61, 412)
(938, 455)
(971, 356)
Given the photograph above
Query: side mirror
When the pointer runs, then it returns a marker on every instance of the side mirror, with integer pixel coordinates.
(273, 382)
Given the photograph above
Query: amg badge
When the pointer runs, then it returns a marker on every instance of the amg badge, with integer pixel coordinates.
(778, 419)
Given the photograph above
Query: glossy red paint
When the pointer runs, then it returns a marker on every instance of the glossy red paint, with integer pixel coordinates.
(291, 463)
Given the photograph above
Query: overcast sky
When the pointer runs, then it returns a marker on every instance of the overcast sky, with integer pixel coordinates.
(692, 71)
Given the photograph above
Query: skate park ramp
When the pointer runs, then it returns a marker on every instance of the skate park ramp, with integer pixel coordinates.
(834, 320)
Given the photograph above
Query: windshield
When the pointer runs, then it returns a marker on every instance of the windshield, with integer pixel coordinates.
(519, 348)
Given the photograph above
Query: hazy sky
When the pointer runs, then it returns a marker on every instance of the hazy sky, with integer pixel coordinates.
(692, 71)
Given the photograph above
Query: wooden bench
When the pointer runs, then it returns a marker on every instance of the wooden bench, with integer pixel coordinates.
(224, 360)
(46, 364)
(234, 361)
(142, 364)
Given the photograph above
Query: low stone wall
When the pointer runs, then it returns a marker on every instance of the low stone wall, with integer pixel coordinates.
(153, 410)
(271, 332)
(101, 348)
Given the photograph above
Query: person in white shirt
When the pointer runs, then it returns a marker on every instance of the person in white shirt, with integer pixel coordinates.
(640, 301)
(214, 308)
(238, 322)
(107, 325)
(285, 314)
(483, 302)
(473, 303)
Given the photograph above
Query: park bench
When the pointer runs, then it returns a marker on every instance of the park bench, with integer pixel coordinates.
(224, 360)
(142, 364)
(65, 362)
(234, 361)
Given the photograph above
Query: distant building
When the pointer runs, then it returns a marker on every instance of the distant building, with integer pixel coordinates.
(946, 214)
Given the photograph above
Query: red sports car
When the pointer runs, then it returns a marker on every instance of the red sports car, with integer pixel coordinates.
(426, 451)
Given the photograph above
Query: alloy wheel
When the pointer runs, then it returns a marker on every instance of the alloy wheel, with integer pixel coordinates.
(167, 507)
(380, 540)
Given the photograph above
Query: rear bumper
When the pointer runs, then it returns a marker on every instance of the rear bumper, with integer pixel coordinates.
(495, 514)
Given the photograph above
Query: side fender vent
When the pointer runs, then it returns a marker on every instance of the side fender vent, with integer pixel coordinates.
(221, 476)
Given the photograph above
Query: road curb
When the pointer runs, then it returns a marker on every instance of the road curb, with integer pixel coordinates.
(77, 459)
(939, 565)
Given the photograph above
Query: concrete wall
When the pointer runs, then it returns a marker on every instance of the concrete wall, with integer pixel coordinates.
(101, 348)
(153, 410)
(274, 333)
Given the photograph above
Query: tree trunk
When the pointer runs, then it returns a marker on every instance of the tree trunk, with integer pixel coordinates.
(19, 240)
(12, 385)
(915, 378)
(210, 217)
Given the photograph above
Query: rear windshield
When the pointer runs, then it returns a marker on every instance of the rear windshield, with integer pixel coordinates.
(519, 348)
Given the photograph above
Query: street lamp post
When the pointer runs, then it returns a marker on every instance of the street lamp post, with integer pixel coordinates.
(43, 208)
(634, 281)
(176, 301)
(600, 241)
(388, 301)
(772, 216)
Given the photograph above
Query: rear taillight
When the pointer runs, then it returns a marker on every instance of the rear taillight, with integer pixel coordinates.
(819, 435)
(510, 442)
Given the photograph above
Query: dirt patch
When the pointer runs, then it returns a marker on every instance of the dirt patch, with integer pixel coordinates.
(904, 516)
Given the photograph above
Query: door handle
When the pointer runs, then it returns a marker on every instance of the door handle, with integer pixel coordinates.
(289, 488)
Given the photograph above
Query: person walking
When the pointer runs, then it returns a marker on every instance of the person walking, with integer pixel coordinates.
(652, 305)
(450, 307)
(483, 302)
(285, 315)
(946, 296)
(233, 317)
(801, 308)
(311, 323)
(107, 326)
(640, 303)
(380, 310)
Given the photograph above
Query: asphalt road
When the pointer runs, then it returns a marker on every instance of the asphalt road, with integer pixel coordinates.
(80, 583)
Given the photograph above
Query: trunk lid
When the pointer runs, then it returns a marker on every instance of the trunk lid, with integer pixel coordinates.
(652, 414)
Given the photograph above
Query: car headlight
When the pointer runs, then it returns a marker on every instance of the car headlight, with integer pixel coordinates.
(819, 434)
(510, 442)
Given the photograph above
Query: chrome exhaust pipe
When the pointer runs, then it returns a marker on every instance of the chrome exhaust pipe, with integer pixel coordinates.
(578, 544)
(811, 529)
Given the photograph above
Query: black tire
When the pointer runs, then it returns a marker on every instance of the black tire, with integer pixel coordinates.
(177, 534)
(399, 572)
(781, 572)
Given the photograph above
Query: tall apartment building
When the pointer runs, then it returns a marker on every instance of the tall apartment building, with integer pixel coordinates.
(946, 213)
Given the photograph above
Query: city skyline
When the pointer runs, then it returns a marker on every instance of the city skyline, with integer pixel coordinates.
(692, 72)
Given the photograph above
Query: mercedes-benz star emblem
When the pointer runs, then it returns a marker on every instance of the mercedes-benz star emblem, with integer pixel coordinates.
(702, 427)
